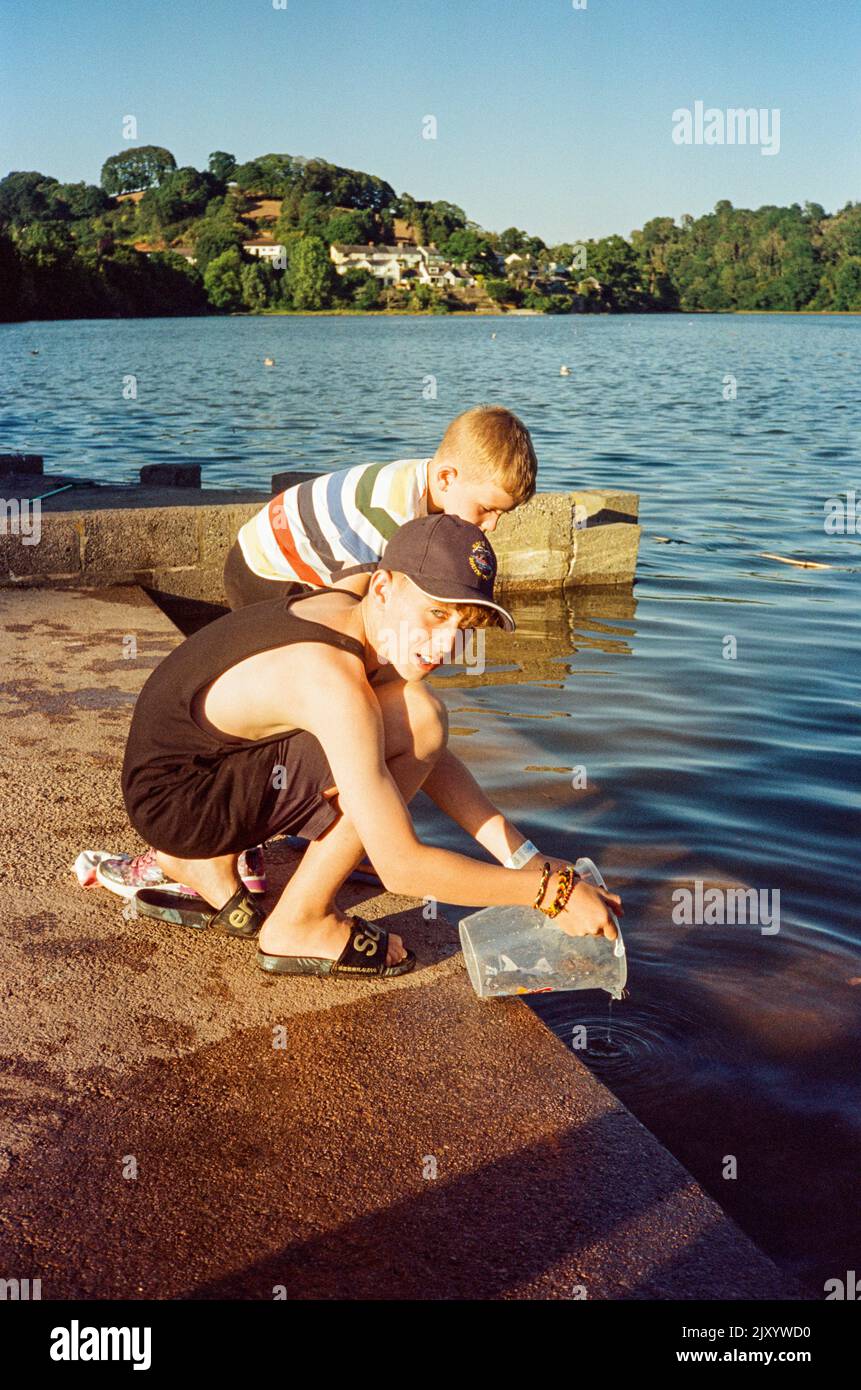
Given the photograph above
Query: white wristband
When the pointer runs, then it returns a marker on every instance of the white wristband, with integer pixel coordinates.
(521, 856)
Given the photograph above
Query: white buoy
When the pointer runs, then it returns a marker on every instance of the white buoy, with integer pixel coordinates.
(269, 361)
(564, 371)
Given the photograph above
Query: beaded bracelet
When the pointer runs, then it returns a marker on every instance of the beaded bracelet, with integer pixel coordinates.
(564, 889)
(545, 874)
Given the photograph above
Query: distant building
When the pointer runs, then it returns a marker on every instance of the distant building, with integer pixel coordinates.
(388, 263)
(151, 248)
(264, 249)
(397, 265)
(404, 232)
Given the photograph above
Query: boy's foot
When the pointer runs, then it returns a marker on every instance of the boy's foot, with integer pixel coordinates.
(124, 875)
(324, 937)
(252, 869)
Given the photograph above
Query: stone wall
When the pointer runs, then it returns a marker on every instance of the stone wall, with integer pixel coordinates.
(556, 540)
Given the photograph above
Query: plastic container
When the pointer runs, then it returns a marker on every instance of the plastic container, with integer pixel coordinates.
(518, 950)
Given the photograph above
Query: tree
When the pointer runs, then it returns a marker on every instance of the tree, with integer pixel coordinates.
(183, 193)
(79, 200)
(26, 197)
(310, 274)
(358, 288)
(222, 166)
(222, 280)
(354, 226)
(442, 220)
(472, 249)
(847, 285)
(10, 280)
(214, 235)
(500, 290)
(511, 240)
(253, 284)
(613, 262)
(136, 168)
(367, 297)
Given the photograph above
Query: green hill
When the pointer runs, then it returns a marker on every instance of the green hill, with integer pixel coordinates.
(154, 239)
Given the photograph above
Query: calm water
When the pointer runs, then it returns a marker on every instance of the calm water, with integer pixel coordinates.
(733, 771)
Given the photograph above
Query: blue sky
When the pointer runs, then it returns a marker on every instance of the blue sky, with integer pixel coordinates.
(549, 118)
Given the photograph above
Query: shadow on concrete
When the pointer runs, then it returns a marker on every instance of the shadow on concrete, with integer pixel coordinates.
(308, 1166)
(188, 614)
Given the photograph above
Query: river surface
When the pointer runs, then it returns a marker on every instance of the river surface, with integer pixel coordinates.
(713, 709)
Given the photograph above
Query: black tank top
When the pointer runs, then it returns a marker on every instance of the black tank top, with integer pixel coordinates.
(164, 737)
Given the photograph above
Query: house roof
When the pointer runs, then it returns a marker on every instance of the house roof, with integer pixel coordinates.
(404, 229)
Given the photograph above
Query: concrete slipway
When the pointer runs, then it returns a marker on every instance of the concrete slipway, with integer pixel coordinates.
(132, 1047)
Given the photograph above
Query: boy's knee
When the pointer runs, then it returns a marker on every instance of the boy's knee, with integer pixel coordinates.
(428, 720)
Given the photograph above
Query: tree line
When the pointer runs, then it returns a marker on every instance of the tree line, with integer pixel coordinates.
(67, 249)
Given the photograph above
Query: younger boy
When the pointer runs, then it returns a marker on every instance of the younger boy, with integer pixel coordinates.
(331, 531)
(276, 720)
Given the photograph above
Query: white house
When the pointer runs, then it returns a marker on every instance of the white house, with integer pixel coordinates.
(395, 265)
(265, 250)
(391, 264)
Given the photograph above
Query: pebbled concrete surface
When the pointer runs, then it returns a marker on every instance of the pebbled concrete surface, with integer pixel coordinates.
(176, 1124)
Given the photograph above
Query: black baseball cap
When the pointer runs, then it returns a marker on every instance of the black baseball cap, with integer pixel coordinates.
(448, 559)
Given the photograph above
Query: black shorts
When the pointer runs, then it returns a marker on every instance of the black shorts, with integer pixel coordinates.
(242, 586)
(241, 799)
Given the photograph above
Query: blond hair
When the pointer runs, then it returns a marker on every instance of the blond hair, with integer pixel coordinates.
(477, 615)
(469, 614)
(490, 440)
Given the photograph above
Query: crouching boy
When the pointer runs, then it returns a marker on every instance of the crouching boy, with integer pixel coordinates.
(310, 715)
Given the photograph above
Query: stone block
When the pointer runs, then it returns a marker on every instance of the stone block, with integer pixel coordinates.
(18, 464)
(281, 481)
(219, 527)
(118, 543)
(56, 552)
(603, 555)
(170, 475)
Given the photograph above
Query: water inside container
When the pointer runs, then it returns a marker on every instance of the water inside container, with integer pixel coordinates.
(518, 950)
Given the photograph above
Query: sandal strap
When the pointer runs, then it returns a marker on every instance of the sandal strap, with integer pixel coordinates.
(240, 915)
(365, 952)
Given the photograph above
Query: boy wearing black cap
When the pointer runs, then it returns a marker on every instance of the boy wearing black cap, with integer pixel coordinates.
(309, 715)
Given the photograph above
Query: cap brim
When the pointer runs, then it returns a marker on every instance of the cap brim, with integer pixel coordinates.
(467, 596)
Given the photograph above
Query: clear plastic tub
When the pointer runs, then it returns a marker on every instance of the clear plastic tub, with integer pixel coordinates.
(518, 950)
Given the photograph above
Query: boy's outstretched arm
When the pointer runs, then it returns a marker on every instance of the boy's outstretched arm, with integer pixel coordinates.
(348, 723)
(452, 787)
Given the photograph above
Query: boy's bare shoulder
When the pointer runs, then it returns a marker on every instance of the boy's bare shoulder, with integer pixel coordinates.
(336, 612)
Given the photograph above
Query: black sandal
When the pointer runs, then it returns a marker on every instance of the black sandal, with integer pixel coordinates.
(367, 943)
(240, 915)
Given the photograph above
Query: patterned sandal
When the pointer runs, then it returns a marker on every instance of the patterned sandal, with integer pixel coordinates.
(364, 954)
(240, 915)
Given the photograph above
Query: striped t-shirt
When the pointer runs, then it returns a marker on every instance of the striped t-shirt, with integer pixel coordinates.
(322, 528)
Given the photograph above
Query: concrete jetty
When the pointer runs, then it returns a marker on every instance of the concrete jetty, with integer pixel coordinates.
(170, 535)
(180, 1126)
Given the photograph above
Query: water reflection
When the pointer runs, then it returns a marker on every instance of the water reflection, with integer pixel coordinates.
(731, 1040)
(551, 630)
